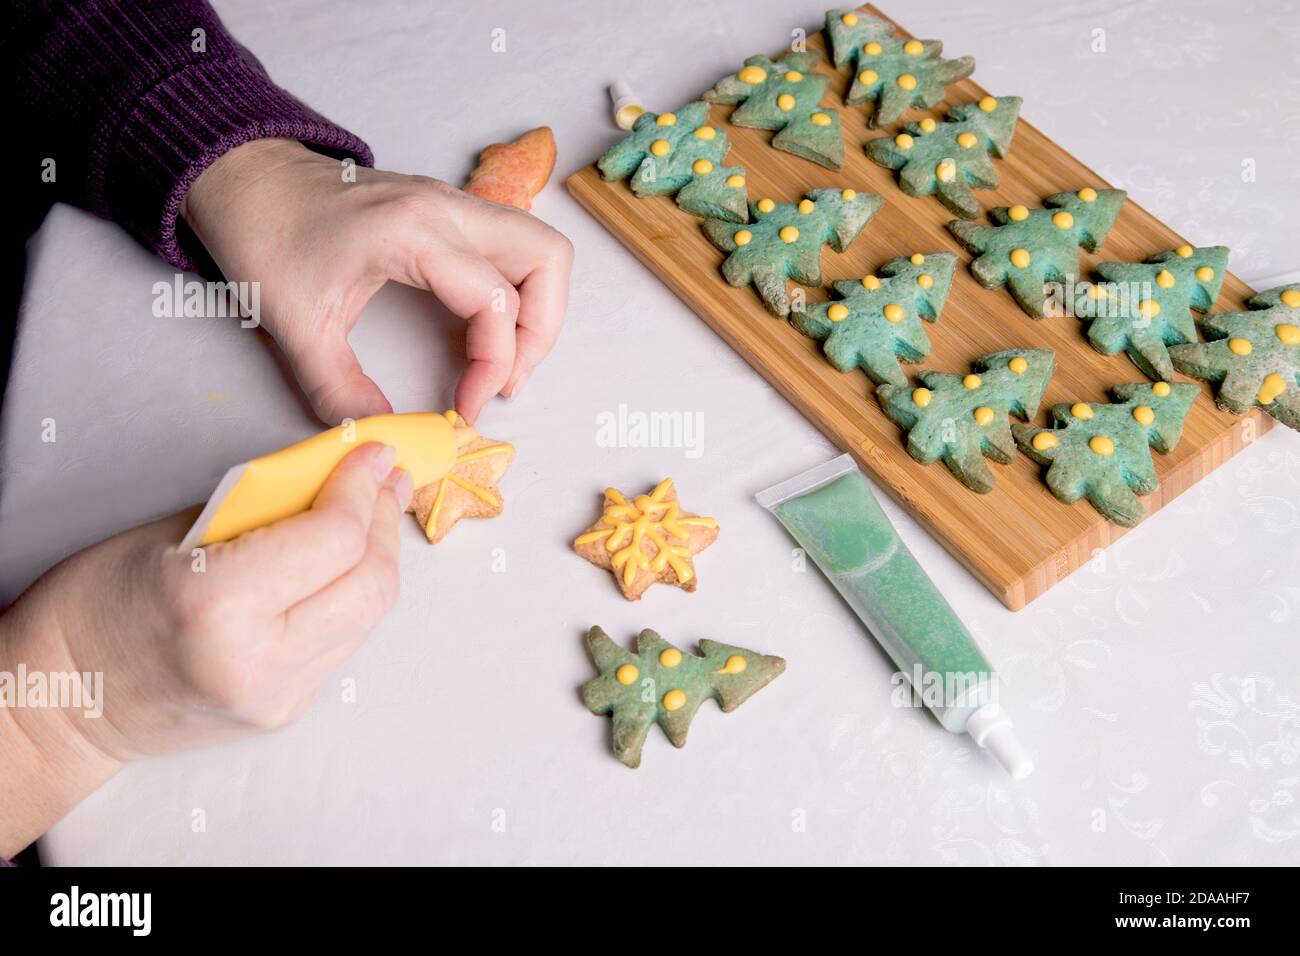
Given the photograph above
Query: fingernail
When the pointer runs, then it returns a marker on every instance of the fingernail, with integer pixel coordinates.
(404, 489)
(384, 462)
(520, 382)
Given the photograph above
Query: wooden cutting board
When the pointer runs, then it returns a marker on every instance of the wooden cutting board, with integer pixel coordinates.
(1018, 539)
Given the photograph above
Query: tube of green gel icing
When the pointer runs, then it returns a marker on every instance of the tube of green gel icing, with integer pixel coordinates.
(831, 511)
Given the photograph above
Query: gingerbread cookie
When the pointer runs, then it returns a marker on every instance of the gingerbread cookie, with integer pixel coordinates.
(894, 73)
(951, 158)
(661, 685)
(963, 418)
(647, 540)
(1254, 357)
(784, 241)
(513, 173)
(469, 489)
(679, 153)
(1142, 308)
(1100, 452)
(1031, 247)
(784, 96)
(876, 322)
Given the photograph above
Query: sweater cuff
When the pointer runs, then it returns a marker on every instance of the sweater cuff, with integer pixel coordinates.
(182, 126)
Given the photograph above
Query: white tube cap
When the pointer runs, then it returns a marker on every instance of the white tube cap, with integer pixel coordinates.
(991, 728)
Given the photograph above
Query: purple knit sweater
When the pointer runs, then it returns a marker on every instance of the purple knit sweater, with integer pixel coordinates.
(132, 107)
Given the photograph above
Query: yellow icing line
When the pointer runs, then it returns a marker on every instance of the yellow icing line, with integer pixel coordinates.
(481, 493)
(648, 518)
(476, 490)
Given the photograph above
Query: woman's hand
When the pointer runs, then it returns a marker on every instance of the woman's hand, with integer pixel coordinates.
(193, 652)
(320, 245)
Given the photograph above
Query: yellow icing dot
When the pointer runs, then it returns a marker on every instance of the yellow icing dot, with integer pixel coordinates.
(1165, 279)
(1184, 251)
(917, 259)
(766, 205)
(867, 77)
(1274, 385)
(736, 181)
(1149, 308)
(788, 234)
(848, 195)
(793, 76)
(660, 147)
(701, 167)
(785, 102)
(837, 312)
(1289, 334)
(1097, 291)
(706, 133)
(870, 282)
(927, 124)
(1291, 299)
(1018, 213)
(1081, 410)
(1044, 440)
(849, 19)
(752, 75)
(967, 140)
(735, 665)
(972, 381)
(1144, 415)
(872, 49)
(674, 700)
(1101, 445)
(925, 281)
(820, 119)
(907, 81)
(627, 674)
(1020, 258)
(806, 206)
(913, 48)
(742, 238)
(670, 657)
(903, 141)
(1087, 194)
(894, 312)
(1240, 346)
(1062, 220)
(921, 397)
(946, 171)
(1204, 274)
(1018, 365)
(666, 119)
(1161, 388)
(988, 104)
(984, 415)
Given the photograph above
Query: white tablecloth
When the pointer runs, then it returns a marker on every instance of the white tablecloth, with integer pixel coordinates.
(1158, 688)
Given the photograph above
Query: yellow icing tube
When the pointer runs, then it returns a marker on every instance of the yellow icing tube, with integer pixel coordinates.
(284, 483)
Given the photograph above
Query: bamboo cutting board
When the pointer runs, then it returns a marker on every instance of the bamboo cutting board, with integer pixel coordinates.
(1018, 539)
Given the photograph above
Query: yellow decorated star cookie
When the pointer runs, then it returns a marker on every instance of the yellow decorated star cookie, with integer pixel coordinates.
(469, 489)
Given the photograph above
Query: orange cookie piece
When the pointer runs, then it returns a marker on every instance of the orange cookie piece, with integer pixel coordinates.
(647, 540)
(513, 173)
(470, 489)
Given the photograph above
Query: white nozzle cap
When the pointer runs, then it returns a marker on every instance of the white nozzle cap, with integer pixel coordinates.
(627, 107)
(991, 729)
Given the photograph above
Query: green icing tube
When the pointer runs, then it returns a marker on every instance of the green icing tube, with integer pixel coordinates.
(833, 515)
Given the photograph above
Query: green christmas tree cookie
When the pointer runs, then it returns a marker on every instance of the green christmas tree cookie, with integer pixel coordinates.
(659, 684)
(784, 96)
(1141, 308)
(1100, 452)
(876, 322)
(668, 152)
(1254, 356)
(784, 241)
(1030, 247)
(950, 159)
(963, 418)
(894, 73)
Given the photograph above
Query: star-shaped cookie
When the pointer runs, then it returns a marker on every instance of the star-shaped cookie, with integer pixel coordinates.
(470, 489)
(647, 540)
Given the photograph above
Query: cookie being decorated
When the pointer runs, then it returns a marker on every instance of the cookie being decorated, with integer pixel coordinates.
(1253, 357)
(661, 685)
(470, 489)
(679, 153)
(784, 95)
(648, 540)
(1142, 308)
(1102, 451)
(1028, 248)
(784, 240)
(949, 159)
(963, 418)
(894, 73)
(876, 321)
